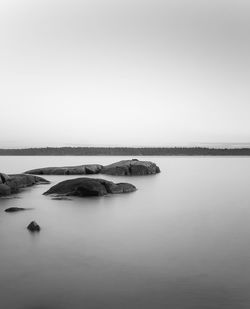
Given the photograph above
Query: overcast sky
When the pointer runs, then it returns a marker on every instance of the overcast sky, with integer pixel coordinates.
(124, 72)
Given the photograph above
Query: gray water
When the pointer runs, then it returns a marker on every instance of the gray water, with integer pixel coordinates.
(181, 241)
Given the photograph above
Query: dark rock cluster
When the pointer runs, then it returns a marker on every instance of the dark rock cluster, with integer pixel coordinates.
(81, 187)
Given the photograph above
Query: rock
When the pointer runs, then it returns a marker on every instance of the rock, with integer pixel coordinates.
(89, 187)
(33, 227)
(5, 190)
(10, 197)
(122, 168)
(131, 168)
(61, 198)
(12, 183)
(14, 209)
(3, 178)
(67, 170)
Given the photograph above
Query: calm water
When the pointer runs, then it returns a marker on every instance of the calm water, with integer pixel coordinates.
(182, 241)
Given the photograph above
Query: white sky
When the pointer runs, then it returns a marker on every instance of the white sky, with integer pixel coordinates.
(124, 72)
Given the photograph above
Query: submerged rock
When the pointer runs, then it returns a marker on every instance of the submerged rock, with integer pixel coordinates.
(89, 187)
(9, 197)
(131, 168)
(61, 198)
(12, 183)
(33, 227)
(14, 209)
(67, 170)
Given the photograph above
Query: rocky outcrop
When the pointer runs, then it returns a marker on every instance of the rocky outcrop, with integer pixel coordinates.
(131, 168)
(33, 227)
(122, 168)
(67, 170)
(12, 183)
(84, 187)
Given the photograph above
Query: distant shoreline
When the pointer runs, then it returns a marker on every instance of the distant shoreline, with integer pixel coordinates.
(126, 151)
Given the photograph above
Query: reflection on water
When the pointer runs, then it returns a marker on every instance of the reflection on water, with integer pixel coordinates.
(181, 241)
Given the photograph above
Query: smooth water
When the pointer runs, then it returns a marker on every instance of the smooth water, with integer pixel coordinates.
(181, 241)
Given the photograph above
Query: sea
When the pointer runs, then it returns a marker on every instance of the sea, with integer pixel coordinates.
(181, 241)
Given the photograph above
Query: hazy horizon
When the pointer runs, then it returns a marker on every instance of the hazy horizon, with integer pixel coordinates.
(144, 73)
(188, 145)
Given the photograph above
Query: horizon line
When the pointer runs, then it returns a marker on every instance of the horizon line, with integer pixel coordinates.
(200, 145)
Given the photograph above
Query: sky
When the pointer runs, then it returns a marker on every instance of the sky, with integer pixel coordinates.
(124, 72)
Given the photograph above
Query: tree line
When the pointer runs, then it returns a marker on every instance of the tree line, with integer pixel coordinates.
(126, 151)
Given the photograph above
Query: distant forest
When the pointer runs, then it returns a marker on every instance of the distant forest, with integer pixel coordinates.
(126, 151)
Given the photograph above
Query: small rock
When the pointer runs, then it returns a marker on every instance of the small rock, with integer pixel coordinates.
(14, 209)
(33, 227)
(61, 198)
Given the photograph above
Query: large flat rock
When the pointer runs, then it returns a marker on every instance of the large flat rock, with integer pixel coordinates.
(86, 169)
(84, 187)
(12, 183)
(122, 168)
(131, 168)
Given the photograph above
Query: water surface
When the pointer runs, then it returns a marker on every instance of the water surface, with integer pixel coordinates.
(180, 242)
